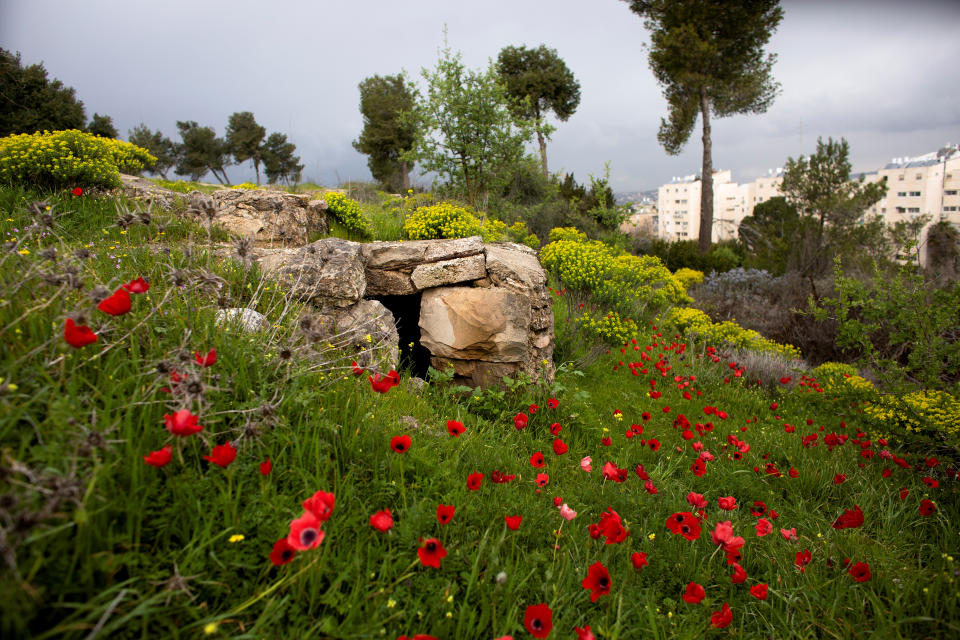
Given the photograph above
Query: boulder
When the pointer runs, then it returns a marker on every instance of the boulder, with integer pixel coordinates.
(403, 268)
(266, 217)
(246, 319)
(327, 272)
(366, 328)
(143, 190)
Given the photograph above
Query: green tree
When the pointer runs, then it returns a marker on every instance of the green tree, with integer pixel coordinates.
(470, 136)
(158, 145)
(769, 233)
(245, 139)
(708, 57)
(279, 161)
(387, 135)
(202, 151)
(821, 189)
(102, 126)
(30, 102)
(538, 82)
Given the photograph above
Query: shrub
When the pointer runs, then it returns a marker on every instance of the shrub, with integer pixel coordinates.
(928, 414)
(245, 185)
(68, 159)
(688, 277)
(695, 323)
(832, 375)
(449, 220)
(571, 234)
(348, 213)
(180, 186)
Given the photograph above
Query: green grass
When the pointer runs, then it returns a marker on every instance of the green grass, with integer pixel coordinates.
(96, 537)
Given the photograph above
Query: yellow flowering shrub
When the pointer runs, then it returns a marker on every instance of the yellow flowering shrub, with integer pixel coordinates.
(348, 213)
(567, 233)
(245, 185)
(833, 375)
(928, 413)
(688, 277)
(610, 327)
(450, 220)
(69, 158)
(694, 322)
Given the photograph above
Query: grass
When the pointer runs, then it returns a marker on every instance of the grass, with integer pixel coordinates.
(98, 544)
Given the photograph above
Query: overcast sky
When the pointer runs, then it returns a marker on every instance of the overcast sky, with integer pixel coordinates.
(882, 74)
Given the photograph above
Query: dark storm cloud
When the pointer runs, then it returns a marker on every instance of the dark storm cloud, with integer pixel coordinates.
(881, 74)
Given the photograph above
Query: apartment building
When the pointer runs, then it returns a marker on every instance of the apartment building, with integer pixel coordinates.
(922, 185)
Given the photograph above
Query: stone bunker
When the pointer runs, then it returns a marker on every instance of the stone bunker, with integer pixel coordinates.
(483, 309)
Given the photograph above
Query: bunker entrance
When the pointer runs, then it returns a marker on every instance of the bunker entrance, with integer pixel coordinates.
(406, 312)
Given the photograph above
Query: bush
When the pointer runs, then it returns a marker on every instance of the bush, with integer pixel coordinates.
(571, 234)
(686, 254)
(695, 323)
(347, 212)
(688, 277)
(929, 414)
(71, 158)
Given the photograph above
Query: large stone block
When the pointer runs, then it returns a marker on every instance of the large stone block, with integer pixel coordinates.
(466, 323)
(327, 271)
(447, 272)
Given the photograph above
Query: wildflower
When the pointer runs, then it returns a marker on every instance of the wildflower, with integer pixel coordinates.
(536, 460)
(520, 420)
(597, 581)
(383, 383)
(533, 408)
(722, 535)
(606, 441)
(803, 559)
(552, 403)
(159, 458)
(445, 513)
(431, 553)
(78, 335)
(722, 618)
(266, 467)
(586, 464)
(382, 520)
(116, 304)
(560, 447)
(696, 500)
(584, 633)
(763, 527)
(77, 191)
(927, 508)
(555, 429)
(611, 527)
(321, 505)
(639, 560)
(357, 369)
(567, 513)
(860, 572)
(182, 423)
(728, 503)
(137, 286)
(542, 479)
(694, 594)
(455, 428)
(759, 591)
(282, 553)
(222, 455)
(850, 519)
(400, 444)
(474, 481)
(789, 534)
(538, 619)
(205, 360)
(237, 537)
(305, 532)
(840, 478)
(513, 522)
(739, 574)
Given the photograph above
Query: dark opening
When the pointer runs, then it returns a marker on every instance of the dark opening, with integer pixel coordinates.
(406, 312)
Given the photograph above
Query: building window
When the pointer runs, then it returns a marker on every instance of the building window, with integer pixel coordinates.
(901, 210)
(913, 210)
(950, 192)
(949, 208)
(914, 194)
(901, 194)
(884, 210)
(919, 176)
(900, 177)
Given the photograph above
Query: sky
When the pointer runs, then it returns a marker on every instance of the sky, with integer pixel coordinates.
(881, 73)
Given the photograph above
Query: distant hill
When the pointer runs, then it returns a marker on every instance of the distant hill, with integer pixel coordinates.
(639, 197)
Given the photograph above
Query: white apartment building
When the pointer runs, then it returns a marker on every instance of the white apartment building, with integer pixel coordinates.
(923, 185)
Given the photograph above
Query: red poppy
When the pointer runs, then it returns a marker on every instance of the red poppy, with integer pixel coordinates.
(160, 457)
(542, 479)
(538, 619)
(722, 536)
(182, 423)
(305, 532)
(803, 559)
(850, 519)
(474, 481)
(840, 478)
(699, 467)
(382, 520)
(759, 508)
(639, 560)
(400, 444)
(555, 429)
(793, 473)
(785, 380)
(763, 527)
(759, 591)
(513, 522)
(597, 580)
(282, 552)
(445, 513)
(533, 408)
(266, 467)
(137, 286)
(383, 383)
(930, 482)
(222, 455)
(205, 360)
(654, 444)
(78, 335)
(536, 460)
(611, 527)
(357, 369)
(321, 505)
(694, 593)
(722, 618)
(696, 500)
(739, 574)
(77, 191)
(520, 420)
(927, 507)
(501, 478)
(606, 441)
(684, 524)
(455, 428)
(117, 304)
(728, 503)
(582, 634)
(860, 571)
(431, 553)
(552, 403)
(560, 447)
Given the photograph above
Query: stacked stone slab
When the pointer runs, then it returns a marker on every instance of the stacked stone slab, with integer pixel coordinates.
(484, 308)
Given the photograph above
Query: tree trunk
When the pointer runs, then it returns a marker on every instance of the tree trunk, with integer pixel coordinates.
(706, 178)
(256, 167)
(543, 151)
(405, 175)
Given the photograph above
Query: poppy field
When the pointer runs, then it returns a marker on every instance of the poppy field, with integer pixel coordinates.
(164, 475)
